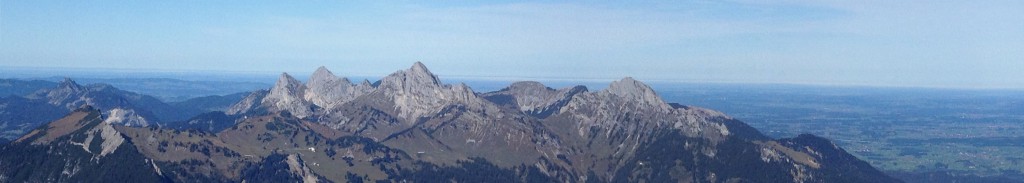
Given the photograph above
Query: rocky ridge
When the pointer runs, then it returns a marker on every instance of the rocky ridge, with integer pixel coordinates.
(412, 109)
(409, 126)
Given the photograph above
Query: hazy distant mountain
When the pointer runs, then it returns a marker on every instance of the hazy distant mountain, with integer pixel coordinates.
(18, 114)
(411, 127)
(17, 87)
(174, 90)
(211, 103)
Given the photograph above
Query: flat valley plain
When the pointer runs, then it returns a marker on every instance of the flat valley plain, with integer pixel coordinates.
(958, 132)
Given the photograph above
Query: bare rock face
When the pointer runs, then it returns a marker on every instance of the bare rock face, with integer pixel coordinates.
(631, 90)
(323, 91)
(68, 94)
(410, 127)
(250, 103)
(416, 92)
(287, 95)
(631, 105)
(534, 98)
(327, 90)
(126, 117)
(299, 169)
(413, 93)
(324, 88)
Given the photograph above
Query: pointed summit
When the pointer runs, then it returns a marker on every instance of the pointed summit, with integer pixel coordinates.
(322, 71)
(67, 83)
(417, 77)
(419, 73)
(418, 66)
(286, 86)
(322, 74)
(67, 94)
(366, 82)
(326, 90)
(287, 96)
(324, 78)
(283, 76)
(416, 92)
(286, 81)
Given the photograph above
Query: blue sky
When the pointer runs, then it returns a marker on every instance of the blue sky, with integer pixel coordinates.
(941, 43)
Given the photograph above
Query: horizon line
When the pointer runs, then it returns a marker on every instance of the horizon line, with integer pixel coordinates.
(258, 73)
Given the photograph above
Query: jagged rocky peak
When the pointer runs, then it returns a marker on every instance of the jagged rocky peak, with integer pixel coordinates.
(287, 95)
(68, 94)
(416, 76)
(416, 92)
(421, 73)
(250, 103)
(327, 90)
(64, 88)
(67, 83)
(322, 70)
(323, 83)
(286, 86)
(323, 76)
(634, 90)
(286, 82)
(534, 98)
(366, 83)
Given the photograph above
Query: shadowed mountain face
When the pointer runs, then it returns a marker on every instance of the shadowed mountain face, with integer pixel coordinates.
(409, 126)
(21, 113)
(79, 147)
(15, 87)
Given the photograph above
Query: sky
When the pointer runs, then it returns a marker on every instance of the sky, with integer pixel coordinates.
(939, 43)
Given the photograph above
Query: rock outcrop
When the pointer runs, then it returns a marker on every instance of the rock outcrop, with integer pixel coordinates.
(287, 95)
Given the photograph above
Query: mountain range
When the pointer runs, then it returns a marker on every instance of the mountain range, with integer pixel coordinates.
(21, 111)
(408, 126)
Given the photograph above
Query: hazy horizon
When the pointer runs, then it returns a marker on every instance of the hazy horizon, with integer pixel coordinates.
(974, 45)
(490, 83)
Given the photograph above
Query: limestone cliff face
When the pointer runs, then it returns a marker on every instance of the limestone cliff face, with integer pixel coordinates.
(631, 90)
(321, 93)
(126, 117)
(327, 91)
(412, 93)
(416, 92)
(631, 105)
(534, 98)
(288, 95)
(250, 104)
